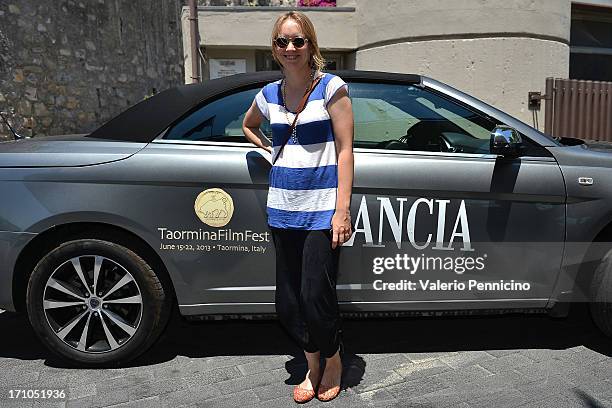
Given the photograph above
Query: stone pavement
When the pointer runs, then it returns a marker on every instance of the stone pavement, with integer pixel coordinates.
(459, 362)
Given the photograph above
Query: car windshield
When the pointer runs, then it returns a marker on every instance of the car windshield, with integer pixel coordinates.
(414, 117)
(504, 118)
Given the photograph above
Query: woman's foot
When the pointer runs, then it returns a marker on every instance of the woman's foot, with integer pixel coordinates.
(329, 387)
(306, 390)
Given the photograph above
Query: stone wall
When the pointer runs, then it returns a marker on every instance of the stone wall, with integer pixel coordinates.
(69, 66)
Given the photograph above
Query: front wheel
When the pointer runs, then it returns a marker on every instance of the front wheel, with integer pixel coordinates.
(94, 302)
(601, 295)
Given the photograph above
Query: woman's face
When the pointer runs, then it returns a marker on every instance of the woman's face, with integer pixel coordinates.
(291, 57)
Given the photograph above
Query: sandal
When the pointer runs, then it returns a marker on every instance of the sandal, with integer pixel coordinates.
(302, 395)
(325, 393)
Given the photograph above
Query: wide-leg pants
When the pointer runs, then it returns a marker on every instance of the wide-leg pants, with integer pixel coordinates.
(306, 301)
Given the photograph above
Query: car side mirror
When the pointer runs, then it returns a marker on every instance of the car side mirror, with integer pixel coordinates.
(506, 141)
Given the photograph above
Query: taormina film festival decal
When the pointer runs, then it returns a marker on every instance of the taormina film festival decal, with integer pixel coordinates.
(214, 207)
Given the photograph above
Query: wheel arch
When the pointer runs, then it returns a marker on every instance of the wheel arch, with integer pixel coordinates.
(589, 263)
(49, 239)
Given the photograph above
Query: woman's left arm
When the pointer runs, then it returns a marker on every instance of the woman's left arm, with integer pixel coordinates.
(341, 114)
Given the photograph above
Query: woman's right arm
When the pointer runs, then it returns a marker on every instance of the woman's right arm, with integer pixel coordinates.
(250, 127)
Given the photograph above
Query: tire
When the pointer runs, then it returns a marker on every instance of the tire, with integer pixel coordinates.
(116, 324)
(601, 295)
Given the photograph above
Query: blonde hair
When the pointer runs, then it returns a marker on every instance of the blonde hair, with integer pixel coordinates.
(316, 59)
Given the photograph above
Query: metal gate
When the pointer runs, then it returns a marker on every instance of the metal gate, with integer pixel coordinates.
(577, 108)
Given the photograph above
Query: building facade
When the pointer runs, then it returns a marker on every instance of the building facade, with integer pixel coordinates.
(497, 50)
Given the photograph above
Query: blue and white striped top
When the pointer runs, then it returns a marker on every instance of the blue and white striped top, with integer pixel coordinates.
(304, 179)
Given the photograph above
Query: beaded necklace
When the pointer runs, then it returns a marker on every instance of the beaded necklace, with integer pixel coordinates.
(284, 91)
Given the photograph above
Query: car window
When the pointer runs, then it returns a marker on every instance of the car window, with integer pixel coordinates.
(405, 117)
(219, 120)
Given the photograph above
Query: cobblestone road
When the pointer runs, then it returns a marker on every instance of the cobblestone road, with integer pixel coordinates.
(508, 361)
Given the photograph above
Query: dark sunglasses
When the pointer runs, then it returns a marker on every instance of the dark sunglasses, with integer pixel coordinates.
(282, 42)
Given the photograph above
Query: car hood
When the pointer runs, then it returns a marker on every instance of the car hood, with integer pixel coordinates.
(64, 151)
(583, 155)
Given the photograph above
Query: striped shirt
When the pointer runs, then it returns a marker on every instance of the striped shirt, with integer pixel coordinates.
(304, 179)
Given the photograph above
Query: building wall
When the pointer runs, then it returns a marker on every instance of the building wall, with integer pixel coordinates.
(497, 50)
(69, 66)
(499, 71)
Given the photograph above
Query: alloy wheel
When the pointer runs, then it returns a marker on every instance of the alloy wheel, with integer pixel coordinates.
(93, 304)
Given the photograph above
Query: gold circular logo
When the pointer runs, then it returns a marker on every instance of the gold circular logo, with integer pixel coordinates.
(214, 207)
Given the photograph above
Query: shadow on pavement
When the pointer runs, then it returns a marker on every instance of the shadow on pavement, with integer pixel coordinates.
(587, 400)
(361, 336)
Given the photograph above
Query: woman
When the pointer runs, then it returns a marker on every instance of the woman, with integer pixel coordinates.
(309, 196)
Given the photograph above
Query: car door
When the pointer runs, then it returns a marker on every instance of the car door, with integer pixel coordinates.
(440, 223)
(210, 211)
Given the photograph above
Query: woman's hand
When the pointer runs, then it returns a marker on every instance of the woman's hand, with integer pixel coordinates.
(341, 228)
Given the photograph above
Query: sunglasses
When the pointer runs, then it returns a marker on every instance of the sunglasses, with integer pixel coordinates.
(298, 42)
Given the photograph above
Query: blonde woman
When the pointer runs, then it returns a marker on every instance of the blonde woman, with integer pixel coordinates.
(309, 195)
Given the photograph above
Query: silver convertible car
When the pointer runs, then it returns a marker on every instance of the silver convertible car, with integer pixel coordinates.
(458, 208)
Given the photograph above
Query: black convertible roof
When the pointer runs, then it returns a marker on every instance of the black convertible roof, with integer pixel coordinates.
(147, 119)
